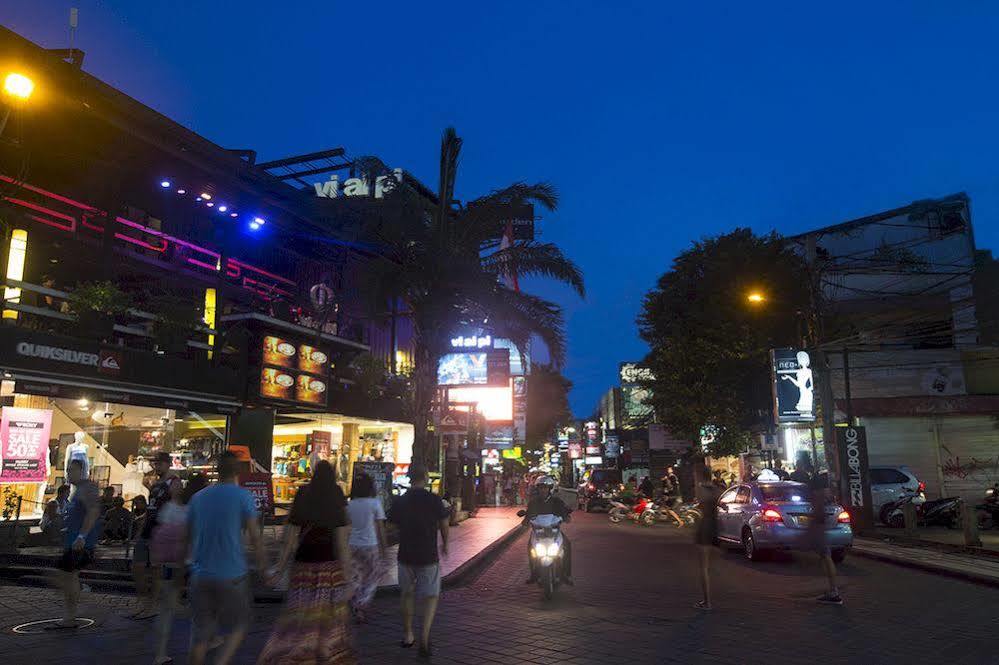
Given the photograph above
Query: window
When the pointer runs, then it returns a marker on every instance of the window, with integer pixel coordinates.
(743, 495)
(888, 477)
(728, 497)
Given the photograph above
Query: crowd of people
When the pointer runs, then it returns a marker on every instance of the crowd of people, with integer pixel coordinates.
(191, 538)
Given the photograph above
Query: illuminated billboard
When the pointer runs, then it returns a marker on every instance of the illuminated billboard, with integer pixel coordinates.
(494, 403)
(476, 368)
(293, 372)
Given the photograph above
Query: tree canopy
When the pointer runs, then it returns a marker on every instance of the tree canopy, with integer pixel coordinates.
(547, 405)
(709, 343)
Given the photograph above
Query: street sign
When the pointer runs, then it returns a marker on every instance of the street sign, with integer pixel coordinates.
(453, 422)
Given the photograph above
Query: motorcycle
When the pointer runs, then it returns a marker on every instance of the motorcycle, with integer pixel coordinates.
(643, 512)
(939, 512)
(988, 512)
(546, 549)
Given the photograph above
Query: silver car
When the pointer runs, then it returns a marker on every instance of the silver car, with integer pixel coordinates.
(762, 516)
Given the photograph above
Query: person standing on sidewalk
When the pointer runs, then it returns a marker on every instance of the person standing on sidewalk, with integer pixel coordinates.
(314, 626)
(147, 575)
(707, 529)
(419, 515)
(82, 514)
(367, 542)
(220, 585)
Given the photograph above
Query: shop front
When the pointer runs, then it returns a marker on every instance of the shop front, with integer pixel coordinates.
(111, 407)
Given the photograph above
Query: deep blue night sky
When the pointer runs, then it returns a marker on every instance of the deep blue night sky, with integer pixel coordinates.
(660, 123)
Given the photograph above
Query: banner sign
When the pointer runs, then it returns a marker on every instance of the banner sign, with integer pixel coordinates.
(793, 388)
(855, 480)
(293, 372)
(24, 434)
(259, 485)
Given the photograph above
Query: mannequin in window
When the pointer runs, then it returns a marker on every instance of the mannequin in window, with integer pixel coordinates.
(79, 450)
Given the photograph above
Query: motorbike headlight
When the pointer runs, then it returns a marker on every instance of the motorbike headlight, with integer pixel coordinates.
(540, 550)
(553, 549)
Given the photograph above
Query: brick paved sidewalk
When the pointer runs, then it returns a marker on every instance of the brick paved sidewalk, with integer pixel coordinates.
(983, 568)
(466, 540)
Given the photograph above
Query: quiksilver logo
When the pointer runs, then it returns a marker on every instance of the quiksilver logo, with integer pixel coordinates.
(57, 354)
(110, 363)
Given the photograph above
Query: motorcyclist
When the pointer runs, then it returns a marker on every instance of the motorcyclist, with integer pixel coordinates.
(545, 501)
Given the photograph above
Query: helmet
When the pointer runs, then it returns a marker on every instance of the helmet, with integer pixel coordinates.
(544, 485)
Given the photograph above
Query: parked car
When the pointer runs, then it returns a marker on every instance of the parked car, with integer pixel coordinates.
(891, 483)
(767, 516)
(596, 492)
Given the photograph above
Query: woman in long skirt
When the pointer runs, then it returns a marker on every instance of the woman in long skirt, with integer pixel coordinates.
(314, 626)
(367, 543)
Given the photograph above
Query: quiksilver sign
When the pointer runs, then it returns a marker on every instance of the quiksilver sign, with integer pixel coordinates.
(57, 354)
(334, 189)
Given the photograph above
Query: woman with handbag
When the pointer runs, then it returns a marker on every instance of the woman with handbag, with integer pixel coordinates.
(314, 626)
(168, 549)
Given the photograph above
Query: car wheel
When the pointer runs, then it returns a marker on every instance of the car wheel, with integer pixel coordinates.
(838, 555)
(896, 521)
(749, 548)
(885, 513)
(985, 521)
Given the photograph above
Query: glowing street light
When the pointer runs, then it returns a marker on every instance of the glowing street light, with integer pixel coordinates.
(756, 298)
(18, 86)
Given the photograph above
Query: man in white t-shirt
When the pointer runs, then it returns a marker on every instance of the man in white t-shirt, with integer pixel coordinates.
(367, 542)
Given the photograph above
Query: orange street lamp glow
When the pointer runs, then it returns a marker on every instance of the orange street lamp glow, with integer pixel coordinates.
(18, 85)
(756, 297)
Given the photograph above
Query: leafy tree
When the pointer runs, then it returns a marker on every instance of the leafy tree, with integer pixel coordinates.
(444, 263)
(547, 405)
(709, 344)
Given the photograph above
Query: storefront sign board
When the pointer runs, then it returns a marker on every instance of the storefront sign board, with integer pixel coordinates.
(381, 474)
(24, 434)
(259, 485)
(855, 480)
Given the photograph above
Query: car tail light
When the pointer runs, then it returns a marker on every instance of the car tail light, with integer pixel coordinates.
(772, 515)
(922, 487)
(843, 517)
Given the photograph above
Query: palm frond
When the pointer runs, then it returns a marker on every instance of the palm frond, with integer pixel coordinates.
(536, 259)
(450, 151)
(543, 194)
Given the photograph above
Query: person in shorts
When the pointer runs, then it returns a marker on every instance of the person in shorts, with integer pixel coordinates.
(220, 584)
(419, 516)
(82, 529)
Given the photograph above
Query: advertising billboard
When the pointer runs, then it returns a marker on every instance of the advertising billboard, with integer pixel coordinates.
(24, 434)
(793, 387)
(293, 372)
(474, 368)
(855, 490)
(495, 404)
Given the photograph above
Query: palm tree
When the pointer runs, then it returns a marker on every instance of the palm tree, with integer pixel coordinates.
(444, 262)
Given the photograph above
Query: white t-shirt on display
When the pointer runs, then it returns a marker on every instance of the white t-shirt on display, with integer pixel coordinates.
(362, 513)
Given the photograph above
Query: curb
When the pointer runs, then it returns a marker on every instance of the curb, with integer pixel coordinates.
(463, 573)
(984, 580)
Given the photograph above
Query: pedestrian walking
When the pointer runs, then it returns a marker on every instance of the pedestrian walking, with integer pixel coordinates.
(314, 626)
(147, 575)
(707, 529)
(819, 499)
(82, 528)
(419, 515)
(168, 550)
(220, 586)
(367, 543)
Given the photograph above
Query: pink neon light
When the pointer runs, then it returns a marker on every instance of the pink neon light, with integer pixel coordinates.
(234, 267)
(47, 211)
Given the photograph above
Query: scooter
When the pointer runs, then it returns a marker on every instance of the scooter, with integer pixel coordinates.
(939, 512)
(546, 549)
(988, 512)
(643, 512)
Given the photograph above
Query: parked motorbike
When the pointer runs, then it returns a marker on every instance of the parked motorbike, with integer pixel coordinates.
(939, 512)
(546, 550)
(988, 512)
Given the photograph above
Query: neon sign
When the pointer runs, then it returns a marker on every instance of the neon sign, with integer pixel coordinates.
(73, 216)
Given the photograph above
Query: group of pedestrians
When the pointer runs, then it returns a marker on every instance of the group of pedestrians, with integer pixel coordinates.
(332, 559)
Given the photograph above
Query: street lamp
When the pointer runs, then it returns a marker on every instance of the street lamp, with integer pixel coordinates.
(756, 298)
(17, 89)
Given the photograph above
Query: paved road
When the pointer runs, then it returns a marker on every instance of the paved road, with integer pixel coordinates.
(632, 604)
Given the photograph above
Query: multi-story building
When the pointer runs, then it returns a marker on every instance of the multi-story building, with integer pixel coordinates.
(165, 293)
(907, 297)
